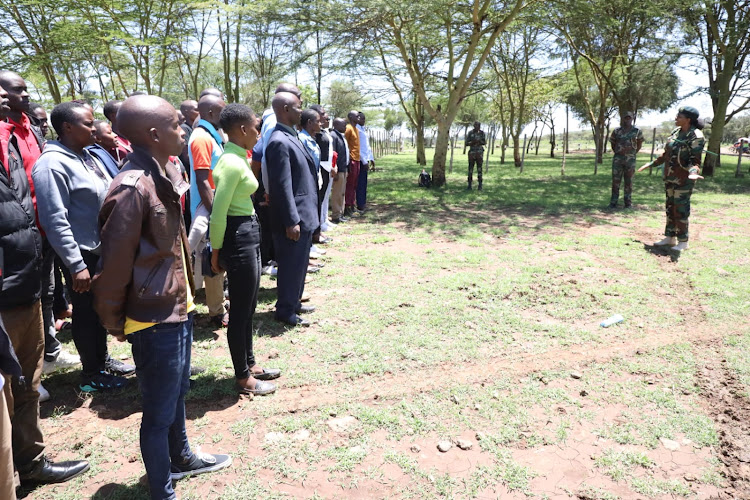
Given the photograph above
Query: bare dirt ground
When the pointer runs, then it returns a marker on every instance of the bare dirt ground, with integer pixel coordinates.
(542, 417)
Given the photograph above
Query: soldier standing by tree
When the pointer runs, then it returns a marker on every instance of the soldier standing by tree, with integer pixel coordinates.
(626, 140)
(476, 141)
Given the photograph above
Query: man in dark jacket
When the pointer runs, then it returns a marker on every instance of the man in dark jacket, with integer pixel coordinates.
(21, 312)
(144, 287)
(338, 189)
(293, 188)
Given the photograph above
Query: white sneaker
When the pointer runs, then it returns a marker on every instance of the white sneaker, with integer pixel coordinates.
(266, 270)
(64, 360)
(274, 271)
(43, 394)
(317, 250)
(668, 241)
(683, 245)
(315, 255)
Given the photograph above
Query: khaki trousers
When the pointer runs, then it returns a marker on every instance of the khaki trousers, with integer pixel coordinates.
(338, 191)
(214, 285)
(7, 483)
(26, 331)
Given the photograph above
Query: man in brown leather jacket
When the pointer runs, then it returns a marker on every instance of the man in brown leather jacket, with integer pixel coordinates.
(144, 290)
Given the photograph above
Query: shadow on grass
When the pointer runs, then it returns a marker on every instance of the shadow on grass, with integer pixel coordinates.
(114, 491)
(508, 196)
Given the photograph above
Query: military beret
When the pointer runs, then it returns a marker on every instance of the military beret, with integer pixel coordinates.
(629, 113)
(689, 112)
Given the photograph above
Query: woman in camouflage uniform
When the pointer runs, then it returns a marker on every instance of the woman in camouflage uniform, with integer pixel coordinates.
(682, 164)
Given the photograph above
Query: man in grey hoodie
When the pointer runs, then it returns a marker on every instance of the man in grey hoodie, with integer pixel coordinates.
(71, 186)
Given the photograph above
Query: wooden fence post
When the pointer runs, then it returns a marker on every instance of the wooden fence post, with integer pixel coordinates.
(523, 153)
(565, 148)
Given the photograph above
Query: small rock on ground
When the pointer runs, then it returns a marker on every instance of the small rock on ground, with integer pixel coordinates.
(669, 444)
(576, 375)
(342, 424)
(415, 448)
(274, 437)
(464, 444)
(444, 446)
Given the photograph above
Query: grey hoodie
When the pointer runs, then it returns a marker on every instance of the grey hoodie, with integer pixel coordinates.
(69, 195)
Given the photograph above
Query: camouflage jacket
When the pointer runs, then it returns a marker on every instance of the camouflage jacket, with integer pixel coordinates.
(626, 143)
(476, 141)
(682, 154)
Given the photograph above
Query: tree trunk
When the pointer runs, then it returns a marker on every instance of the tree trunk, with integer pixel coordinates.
(552, 140)
(713, 161)
(516, 149)
(441, 151)
(421, 158)
(503, 145)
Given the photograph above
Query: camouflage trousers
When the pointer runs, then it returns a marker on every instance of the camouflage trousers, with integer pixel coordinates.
(678, 209)
(622, 166)
(475, 157)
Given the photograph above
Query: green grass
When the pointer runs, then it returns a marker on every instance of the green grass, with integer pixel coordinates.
(447, 313)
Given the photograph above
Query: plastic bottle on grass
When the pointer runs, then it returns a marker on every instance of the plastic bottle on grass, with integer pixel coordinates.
(612, 320)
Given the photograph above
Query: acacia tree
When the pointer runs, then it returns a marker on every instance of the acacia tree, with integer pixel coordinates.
(615, 41)
(718, 32)
(512, 64)
(464, 33)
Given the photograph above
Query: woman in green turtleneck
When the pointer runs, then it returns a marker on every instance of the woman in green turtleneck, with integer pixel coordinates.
(235, 238)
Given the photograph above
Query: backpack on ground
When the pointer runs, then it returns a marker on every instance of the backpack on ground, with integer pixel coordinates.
(424, 179)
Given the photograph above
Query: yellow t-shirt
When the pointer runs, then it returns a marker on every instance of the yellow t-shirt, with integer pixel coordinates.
(132, 326)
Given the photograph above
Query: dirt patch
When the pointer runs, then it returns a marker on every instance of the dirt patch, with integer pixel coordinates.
(730, 410)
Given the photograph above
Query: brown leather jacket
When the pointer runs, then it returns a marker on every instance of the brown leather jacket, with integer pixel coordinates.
(141, 273)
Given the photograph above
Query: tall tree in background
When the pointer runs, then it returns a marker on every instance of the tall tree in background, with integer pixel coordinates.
(617, 40)
(465, 33)
(718, 32)
(512, 63)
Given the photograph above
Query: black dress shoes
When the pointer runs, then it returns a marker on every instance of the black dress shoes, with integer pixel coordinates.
(45, 471)
(294, 321)
(305, 309)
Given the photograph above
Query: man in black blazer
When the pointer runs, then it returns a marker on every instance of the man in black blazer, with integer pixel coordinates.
(293, 195)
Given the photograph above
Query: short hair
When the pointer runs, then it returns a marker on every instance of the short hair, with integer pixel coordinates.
(110, 108)
(33, 106)
(138, 92)
(99, 123)
(235, 114)
(211, 91)
(308, 115)
(318, 108)
(64, 113)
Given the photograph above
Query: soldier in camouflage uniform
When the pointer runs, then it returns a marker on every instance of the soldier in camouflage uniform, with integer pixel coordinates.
(682, 163)
(476, 141)
(626, 141)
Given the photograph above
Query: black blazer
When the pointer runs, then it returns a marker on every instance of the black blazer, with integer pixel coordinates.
(292, 183)
(339, 145)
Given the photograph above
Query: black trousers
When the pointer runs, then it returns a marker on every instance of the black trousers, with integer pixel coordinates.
(292, 257)
(52, 346)
(89, 336)
(267, 253)
(240, 257)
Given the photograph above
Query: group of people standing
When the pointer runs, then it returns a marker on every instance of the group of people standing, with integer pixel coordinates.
(137, 210)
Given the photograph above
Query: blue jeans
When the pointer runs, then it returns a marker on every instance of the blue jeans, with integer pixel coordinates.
(162, 365)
